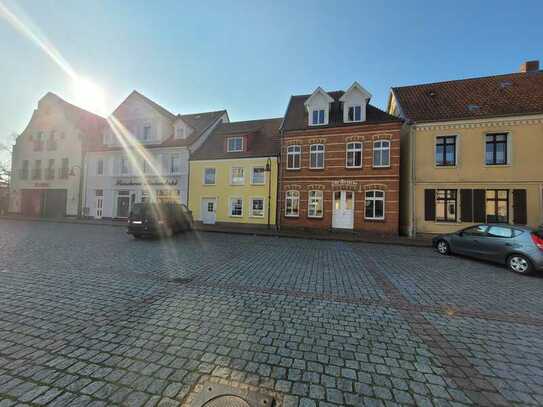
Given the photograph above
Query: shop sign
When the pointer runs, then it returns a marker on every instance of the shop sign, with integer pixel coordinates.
(146, 181)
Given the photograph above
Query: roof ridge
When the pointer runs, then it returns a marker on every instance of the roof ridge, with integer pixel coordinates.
(197, 113)
(72, 106)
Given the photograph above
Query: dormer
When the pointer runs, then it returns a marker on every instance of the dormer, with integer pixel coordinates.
(318, 107)
(355, 101)
(235, 143)
(181, 129)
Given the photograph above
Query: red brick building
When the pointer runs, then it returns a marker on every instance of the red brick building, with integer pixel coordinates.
(340, 163)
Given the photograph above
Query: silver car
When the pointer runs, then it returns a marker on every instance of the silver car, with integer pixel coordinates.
(519, 248)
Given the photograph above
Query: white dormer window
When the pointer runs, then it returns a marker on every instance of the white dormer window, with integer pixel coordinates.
(355, 101)
(235, 144)
(180, 132)
(146, 132)
(354, 113)
(318, 107)
(317, 117)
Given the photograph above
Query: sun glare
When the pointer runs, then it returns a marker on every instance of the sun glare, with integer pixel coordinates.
(89, 95)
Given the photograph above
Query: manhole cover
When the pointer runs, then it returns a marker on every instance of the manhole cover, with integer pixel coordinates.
(227, 401)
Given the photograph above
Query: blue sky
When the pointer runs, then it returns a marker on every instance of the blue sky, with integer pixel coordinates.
(250, 56)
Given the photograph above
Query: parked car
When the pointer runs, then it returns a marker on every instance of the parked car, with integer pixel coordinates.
(158, 219)
(519, 248)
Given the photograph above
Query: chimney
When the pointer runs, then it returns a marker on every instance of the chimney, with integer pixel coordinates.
(529, 66)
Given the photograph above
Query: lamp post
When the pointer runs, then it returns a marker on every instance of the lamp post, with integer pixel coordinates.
(72, 174)
(268, 172)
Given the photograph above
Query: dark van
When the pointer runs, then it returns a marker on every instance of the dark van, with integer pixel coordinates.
(158, 219)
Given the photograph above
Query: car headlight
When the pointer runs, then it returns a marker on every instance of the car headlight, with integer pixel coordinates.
(136, 222)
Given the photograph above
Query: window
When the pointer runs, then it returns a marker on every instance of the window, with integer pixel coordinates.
(293, 157)
(381, 153)
(497, 206)
(316, 156)
(124, 165)
(175, 163)
(496, 149)
(292, 203)
(147, 132)
(355, 113)
(257, 207)
(38, 141)
(50, 172)
(180, 132)
(315, 204)
(24, 171)
(375, 205)
(354, 155)
(500, 231)
(99, 192)
(446, 205)
(236, 207)
(259, 176)
(36, 172)
(65, 168)
(235, 144)
(475, 231)
(209, 176)
(236, 176)
(445, 151)
(52, 142)
(100, 167)
(317, 117)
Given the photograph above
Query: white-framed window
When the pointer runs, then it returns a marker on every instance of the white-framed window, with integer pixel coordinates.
(354, 114)
(381, 153)
(175, 163)
(292, 203)
(258, 177)
(317, 117)
(236, 207)
(237, 176)
(354, 155)
(234, 144)
(124, 165)
(294, 154)
(209, 176)
(316, 156)
(100, 167)
(375, 205)
(315, 204)
(180, 132)
(146, 132)
(257, 207)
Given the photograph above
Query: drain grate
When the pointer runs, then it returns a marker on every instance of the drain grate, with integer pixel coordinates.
(222, 395)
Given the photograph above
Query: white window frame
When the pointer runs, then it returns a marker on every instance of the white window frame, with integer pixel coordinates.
(232, 176)
(316, 154)
(251, 213)
(374, 199)
(381, 149)
(230, 207)
(214, 176)
(172, 160)
(310, 204)
(234, 138)
(121, 167)
(297, 198)
(180, 129)
(354, 113)
(354, 150)
(98, 161)
(253, 175)
(294, 154)
(318, 123)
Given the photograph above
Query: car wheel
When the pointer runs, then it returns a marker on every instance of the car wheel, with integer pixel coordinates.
(517, 263)
(443, 247)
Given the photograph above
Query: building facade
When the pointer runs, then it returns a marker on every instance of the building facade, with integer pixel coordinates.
(233, 175)
(143, 156)
(340, 163)
(48, 157)
(472, 150)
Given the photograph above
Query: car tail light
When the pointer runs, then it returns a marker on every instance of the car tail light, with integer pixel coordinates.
(538, 241)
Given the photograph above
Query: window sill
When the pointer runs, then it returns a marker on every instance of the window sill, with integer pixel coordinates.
(294, 169)
(375, 219)
(353, 167)
(315, 217)
(380, 167)
(256, 217)
(316, 168)
(235, 216)
(445, 166)
(237, 185)
(258, 184)
(292, 216)
(498, 165)
(209, 185)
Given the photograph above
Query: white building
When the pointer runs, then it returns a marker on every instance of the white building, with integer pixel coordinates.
(144, 155)
(48, 156)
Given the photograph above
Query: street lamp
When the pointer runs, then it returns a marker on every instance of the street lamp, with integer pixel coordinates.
(72, 174)
(268, 171)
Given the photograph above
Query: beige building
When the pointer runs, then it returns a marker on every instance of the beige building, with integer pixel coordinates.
(471, 151)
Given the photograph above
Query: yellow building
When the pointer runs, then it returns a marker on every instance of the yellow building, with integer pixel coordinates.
(233, 175)
(471, 151)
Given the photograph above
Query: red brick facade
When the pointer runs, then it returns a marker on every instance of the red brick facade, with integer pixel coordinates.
(336, 176)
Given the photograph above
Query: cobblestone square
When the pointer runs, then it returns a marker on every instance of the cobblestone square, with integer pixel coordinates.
(89, 316)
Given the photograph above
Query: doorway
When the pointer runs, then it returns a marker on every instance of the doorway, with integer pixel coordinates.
(209, 211)
(343, 214)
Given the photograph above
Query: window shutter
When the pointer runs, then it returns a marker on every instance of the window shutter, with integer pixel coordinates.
(479, 208)
(429, 204)
(519, 207)
(466, 205)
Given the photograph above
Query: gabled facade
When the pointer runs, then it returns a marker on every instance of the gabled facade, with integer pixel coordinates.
(471, 151)
(233, 175)
(47, 159)
(340, 159)
(143, 156)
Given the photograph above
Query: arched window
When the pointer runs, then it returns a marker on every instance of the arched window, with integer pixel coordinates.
(293, 157)
(316, 156)
(375, 205)
(354, 155)
(381, 153)
(292, 203)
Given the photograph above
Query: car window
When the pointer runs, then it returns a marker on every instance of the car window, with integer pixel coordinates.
(475, 231)
(500, 231)
(517, 232)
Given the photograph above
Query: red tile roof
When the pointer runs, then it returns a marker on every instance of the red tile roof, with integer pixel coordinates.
(500, 95)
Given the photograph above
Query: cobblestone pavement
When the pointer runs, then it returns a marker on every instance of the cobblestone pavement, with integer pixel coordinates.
(89, 316)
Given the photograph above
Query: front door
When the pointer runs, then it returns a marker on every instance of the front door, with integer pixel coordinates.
(99, 207)
(343, 215)
(209, 211)
(123, 206)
